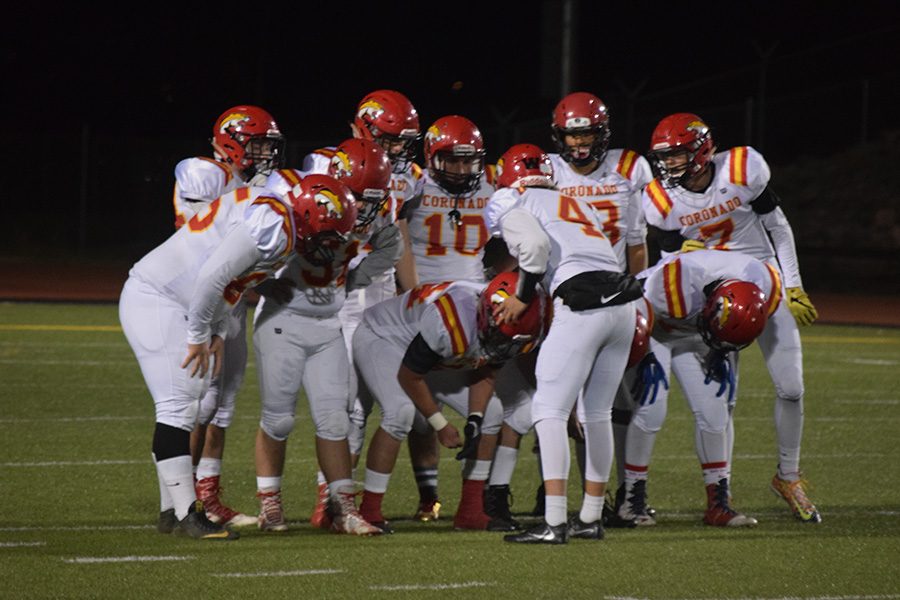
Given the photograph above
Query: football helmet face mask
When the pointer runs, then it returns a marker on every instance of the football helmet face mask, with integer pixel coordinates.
(364, 167)
(680, 148)
(454, 154)
(248, 138)
(389, 119)
(324, 214)
(583, 118)
(734, 315)
(503, 342)
(525, 165)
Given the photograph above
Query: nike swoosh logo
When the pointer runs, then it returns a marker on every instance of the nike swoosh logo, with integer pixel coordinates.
(605, 299)
(177, 483)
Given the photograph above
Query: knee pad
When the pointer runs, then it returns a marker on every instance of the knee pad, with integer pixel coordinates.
(277, 427)
(332, 425)
(649, 418)
(519, 418)
(208, 407)
(493, 417)
(397, 423)
(224, 416)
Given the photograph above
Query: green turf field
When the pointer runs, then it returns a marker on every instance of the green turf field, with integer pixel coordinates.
(77, 485)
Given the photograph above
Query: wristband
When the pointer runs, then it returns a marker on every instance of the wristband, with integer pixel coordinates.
(438, 421)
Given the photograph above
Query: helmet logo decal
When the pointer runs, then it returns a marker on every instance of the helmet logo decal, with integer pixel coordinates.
(370, 109)
(698, 127)
(433, 133)
(340, 165)
(232, 120)
(499, 296)
(723, 311)
(329, 199)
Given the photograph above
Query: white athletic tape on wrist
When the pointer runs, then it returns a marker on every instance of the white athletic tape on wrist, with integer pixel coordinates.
(438, 421)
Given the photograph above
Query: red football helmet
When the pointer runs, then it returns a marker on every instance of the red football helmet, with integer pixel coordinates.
(389, 118)
(525, 165)
(364, 167)
(454, 154)
(324, 214)
(734, 315)
(640, 344)
(502, 342)
(248, 137)
(581, 114)
(681, 133)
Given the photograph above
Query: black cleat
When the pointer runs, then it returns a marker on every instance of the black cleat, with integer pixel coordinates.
(497, 500)
(197, 526)
(167, 521)
(585, 531)
(384, 526)
(541, 534)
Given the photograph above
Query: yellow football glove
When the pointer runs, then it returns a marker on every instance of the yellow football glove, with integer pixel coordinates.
(801, 306)
(691, 245)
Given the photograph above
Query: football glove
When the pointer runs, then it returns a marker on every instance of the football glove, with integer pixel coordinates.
(472, 434)
(717, 367)
(690, 245)
(649, 375)
(801, 306)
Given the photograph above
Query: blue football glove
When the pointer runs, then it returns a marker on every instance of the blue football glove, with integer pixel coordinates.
(717, 367)
(648, 377)
(472, 433)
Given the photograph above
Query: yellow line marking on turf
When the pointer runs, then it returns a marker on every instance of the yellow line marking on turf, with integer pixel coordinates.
(5, 327)
(834, 339)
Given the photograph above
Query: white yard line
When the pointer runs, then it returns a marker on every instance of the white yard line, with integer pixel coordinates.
(433, 586)
(282, 573)
(82, 560)
(21, 544)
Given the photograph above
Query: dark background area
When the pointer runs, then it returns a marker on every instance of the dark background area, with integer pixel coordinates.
(101, 105)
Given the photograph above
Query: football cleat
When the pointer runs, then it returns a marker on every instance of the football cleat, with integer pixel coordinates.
(271, 513)
(209, 492)
(320, 518)
(167, 521)
(633, 510)
(719, 512)
(198, 526)
(794, 493)
(429, 510)
(541, 534)
(497, 500)
(346, 517)
(576, 528)
(471, 520)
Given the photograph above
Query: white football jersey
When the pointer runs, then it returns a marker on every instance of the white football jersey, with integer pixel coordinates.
(199, 181)
(721, 216)
(445, 250)
(446, 314)
(614, 190)
(674, 286)
(577, 242)
(261, 230)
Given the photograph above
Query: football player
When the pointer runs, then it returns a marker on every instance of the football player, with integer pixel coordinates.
(722, 200)
(444, 347)
(179, 295)
(559, 239)
(447, 237)
(386, 118)
(611, 181)
(299, 342)
(707, 305)
(247, 144)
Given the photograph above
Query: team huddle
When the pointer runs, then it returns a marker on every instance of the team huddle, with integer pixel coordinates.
(375, 288)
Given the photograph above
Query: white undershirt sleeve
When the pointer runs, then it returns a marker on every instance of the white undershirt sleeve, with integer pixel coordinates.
(783, 239)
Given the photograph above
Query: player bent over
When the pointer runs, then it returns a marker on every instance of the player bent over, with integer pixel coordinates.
(707, 305)
(177, 296)
(438, 344)
(299, 343)
(559, 239)
(247, 145)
